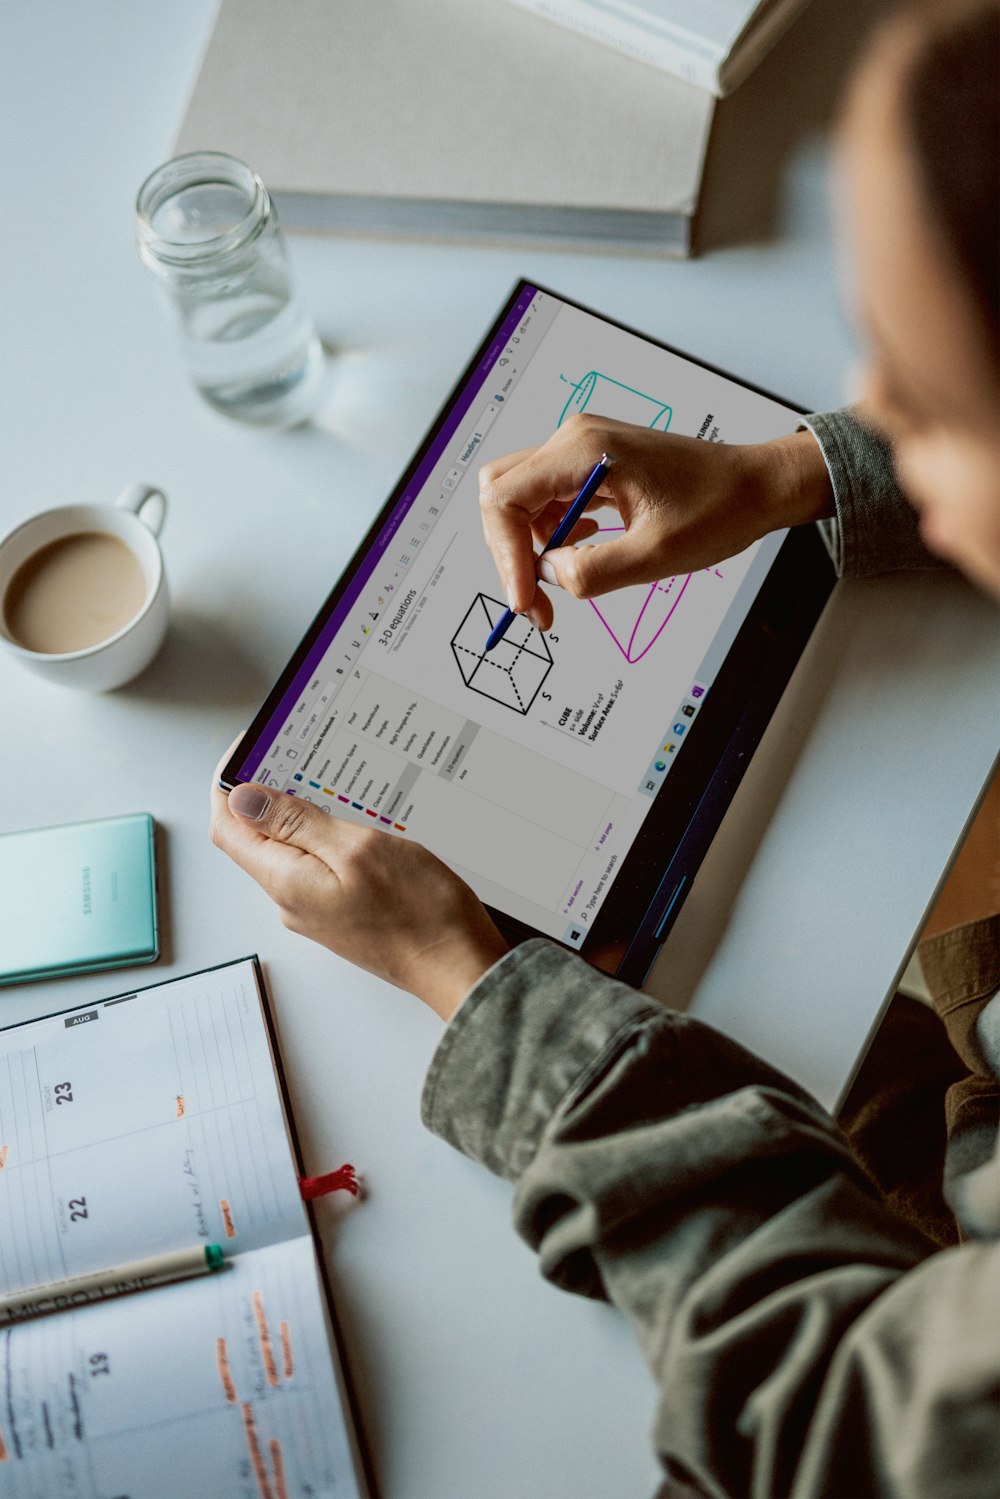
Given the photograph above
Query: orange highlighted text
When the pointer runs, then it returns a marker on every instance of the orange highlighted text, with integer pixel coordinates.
(286, 1348)
(222, 1360)
(256, 1456)
(264, 1334)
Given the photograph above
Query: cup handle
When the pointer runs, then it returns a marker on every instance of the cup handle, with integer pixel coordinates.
(149, 504)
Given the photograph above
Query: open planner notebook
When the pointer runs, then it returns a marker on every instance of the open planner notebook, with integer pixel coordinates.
(145, 1123)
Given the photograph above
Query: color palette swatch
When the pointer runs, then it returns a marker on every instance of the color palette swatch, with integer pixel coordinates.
(400, 827)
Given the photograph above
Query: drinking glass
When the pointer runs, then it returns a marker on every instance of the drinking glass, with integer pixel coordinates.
(208, 231)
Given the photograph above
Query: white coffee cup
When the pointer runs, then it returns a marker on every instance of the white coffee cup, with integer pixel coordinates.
(135, 519)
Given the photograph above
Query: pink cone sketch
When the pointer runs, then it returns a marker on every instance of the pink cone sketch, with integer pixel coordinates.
(633, 634)
(636, 633)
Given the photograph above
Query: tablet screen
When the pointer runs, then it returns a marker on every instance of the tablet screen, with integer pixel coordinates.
(533, 769)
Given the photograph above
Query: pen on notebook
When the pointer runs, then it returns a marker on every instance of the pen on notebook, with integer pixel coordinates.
(590, 487)
(100, 1285)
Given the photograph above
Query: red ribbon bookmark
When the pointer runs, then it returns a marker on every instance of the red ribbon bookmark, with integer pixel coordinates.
(344, 1179)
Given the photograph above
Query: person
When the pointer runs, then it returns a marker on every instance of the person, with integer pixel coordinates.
(807, 1338)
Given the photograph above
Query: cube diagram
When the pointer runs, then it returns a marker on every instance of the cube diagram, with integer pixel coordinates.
(514, 671)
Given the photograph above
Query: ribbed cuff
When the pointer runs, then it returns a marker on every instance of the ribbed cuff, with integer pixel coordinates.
(875, 530)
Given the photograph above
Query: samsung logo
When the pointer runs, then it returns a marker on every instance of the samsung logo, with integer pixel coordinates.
(86, 891)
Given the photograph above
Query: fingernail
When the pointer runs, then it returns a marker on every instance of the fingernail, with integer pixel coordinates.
(510, 601)
(547, 572)
(249, 802)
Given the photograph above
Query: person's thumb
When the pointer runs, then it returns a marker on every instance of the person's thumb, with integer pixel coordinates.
(586, 571)
(276, 815)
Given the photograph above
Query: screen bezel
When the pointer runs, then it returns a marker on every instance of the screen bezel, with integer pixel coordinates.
(630, 927)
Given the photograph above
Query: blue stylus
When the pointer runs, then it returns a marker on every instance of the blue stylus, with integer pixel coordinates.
(591, 485)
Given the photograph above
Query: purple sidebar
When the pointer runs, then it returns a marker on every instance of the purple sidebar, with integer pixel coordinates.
(446, 431)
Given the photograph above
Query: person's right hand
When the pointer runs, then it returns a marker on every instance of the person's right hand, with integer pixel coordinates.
(685, 504)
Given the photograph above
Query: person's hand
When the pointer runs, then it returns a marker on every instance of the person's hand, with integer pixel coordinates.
(685, 504)
(381, 902)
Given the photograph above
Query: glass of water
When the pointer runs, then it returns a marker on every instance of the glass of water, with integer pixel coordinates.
(208, 231)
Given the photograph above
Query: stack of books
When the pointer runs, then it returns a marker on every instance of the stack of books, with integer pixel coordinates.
(471, 119)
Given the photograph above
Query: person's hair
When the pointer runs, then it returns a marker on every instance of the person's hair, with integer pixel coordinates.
(951, 113)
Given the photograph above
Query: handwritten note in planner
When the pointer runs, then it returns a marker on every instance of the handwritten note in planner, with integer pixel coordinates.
(142, 1124)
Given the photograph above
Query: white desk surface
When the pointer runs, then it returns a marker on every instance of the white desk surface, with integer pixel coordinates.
(474, 1377)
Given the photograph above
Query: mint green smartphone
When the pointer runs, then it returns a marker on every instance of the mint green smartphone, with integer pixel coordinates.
(77, 898)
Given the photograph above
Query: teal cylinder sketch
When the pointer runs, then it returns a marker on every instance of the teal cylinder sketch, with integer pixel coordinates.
(608, 397)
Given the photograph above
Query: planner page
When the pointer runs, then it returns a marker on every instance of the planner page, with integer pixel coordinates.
(220, 1387)
(141, 1124)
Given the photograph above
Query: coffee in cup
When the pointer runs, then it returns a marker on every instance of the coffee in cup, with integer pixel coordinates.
(82, 592)
(74, 593)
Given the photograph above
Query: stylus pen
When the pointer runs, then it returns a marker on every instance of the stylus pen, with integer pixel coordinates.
(100, 1285)
(591, 485)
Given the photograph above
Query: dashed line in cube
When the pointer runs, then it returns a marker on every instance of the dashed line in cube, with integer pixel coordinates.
(521, 660)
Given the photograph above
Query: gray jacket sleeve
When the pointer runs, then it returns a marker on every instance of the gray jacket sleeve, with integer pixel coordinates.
(804, 1341)
(875, 530)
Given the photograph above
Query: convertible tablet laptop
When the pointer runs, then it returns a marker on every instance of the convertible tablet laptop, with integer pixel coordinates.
(574, 779)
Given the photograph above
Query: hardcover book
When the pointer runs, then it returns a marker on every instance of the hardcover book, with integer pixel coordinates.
(711, 43)
(449, 119)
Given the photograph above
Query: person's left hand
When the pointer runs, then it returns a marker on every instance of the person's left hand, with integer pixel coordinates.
(384, 903)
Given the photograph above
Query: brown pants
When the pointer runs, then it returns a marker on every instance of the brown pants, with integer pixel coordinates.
(924, 1076)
